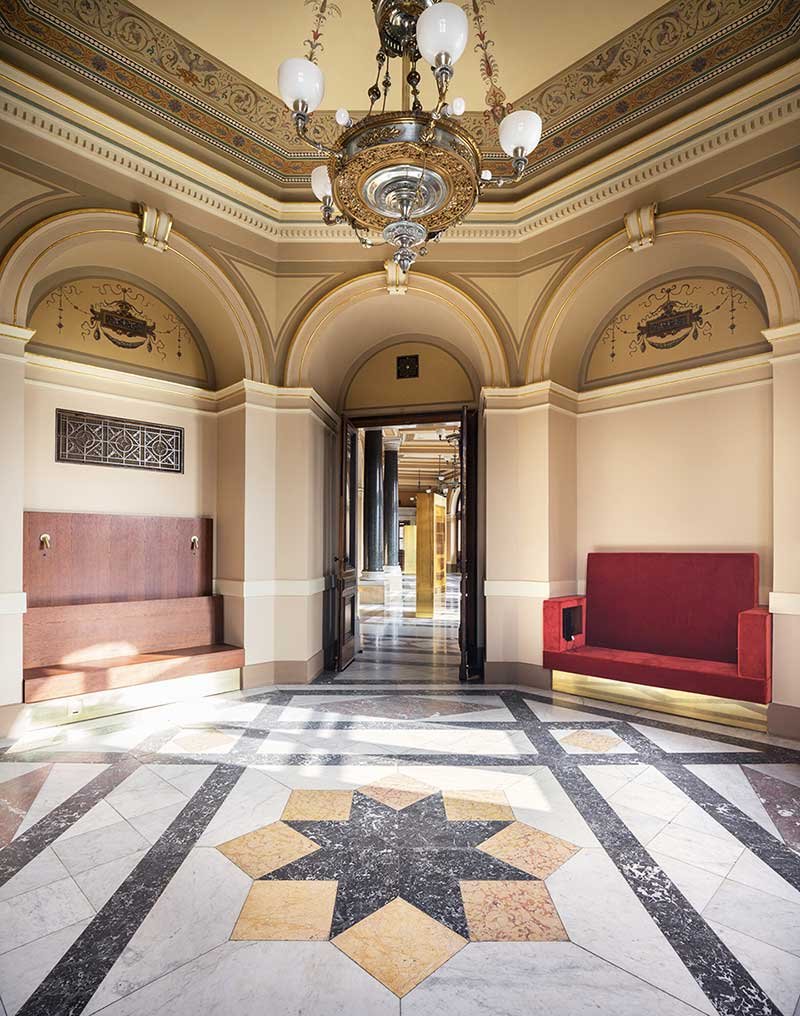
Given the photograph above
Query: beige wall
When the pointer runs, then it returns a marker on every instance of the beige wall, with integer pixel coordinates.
(689, 473)
(441, 379)
(69, 487)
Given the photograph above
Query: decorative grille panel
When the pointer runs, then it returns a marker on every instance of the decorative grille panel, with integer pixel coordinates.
(109, 441)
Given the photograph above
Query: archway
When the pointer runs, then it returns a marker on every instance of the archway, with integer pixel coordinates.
(704, 240)
(361, 317)
(65, 245)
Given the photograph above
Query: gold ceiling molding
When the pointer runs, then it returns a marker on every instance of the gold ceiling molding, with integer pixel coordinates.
(678, 55)
(751, 111)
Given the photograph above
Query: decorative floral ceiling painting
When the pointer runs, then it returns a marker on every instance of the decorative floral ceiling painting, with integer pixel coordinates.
(672, 324)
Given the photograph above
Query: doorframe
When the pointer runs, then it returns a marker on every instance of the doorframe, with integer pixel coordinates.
(403, 417)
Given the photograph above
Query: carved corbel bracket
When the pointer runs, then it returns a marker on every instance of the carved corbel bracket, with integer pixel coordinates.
(640, 225)
(154, 227)
(396, 278)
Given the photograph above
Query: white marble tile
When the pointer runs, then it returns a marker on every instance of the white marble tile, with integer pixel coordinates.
(540, 800)
(188, 779)
(98, 817)
(708, 852)
(23, 969)
(254, 978)
(195, 913)
(64, 779)
(319, 777)
(255, 801)
(100, 883)
(777, 972)
(558, 978)
(650, 801)
(462, 777)
(37, 913)
(609, 779)
(698, 819)
(758, 914)
(153, 824)
(751, 871)
(11, 770)
(143, 791)
(644, 827)
(696, 884)
(42, 870)
(548, 712)
(672, 740)
(601, 913)
(79, 853)
(381, 741)
(731, 782)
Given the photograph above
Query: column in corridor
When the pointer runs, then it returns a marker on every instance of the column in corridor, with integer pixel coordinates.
(371, 583)
(391, 518)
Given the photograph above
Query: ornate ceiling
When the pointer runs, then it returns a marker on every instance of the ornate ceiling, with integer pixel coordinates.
(204, 72)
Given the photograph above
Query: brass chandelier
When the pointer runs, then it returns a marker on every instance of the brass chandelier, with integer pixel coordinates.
(403, 178)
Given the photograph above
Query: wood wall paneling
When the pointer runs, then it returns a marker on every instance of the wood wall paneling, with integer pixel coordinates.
(97, 558)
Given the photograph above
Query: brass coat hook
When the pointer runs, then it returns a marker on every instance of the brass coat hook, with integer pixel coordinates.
(195, 542)
(44, 541)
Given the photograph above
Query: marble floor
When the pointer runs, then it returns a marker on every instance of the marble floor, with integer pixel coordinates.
(390, 843)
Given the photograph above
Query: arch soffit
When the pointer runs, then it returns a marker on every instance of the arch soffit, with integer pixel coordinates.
(51, 245)
(740, 246)
(484, 359)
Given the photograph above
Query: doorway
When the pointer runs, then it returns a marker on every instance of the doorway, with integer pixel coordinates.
(407, 605)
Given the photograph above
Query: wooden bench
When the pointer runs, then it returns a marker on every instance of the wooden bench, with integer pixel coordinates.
(74, 648)
(80, 648)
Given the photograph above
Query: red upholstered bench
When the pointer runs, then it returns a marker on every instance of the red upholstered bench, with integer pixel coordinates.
(685, 621)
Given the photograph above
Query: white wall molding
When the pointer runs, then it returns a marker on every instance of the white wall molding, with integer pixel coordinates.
(784, 603)
(13, 603)
(529, 589)
(753, 109)
(268, 587)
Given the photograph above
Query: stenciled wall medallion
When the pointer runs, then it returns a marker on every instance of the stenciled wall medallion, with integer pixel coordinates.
(117, 323)
(672, 324)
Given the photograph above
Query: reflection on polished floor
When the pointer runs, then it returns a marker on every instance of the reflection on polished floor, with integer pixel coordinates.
(418, 649)
(379, 842)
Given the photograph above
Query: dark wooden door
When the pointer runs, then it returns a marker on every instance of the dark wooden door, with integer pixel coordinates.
(347, 559)
(471, 666)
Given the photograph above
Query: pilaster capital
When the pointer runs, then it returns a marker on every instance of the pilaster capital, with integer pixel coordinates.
(392, 444)
(13, 339)
(785, 340)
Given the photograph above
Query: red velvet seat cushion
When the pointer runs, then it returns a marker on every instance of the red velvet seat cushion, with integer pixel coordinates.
(678, 605)
(706, 677)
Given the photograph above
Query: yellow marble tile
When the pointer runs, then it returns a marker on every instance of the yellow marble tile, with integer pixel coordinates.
(591, 740)
(399, 945)
(287, 912)
(529, 849)
(267, 849)
(318, 806)
(200, 742)
(477, 806)
(397, 791)
(511, 912)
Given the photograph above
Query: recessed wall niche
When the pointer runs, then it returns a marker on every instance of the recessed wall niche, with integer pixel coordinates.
(674, 324)
(117, 323)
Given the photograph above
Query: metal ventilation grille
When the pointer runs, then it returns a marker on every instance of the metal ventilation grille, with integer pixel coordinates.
(108, 441)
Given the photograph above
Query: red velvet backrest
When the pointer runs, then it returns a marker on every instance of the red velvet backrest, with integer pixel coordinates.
(671, 604)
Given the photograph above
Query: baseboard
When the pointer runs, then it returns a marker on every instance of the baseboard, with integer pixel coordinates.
(529, 675)
(17, 720)
(783, 721)
(283, 671)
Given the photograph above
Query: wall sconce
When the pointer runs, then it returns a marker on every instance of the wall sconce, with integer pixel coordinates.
(44, 541)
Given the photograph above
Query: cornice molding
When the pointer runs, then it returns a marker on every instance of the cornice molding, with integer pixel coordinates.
(43, 111)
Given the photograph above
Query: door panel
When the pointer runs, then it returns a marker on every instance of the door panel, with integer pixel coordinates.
(471, 666)
(347, 559)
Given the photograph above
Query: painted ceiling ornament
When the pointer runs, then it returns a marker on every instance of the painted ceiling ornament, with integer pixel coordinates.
(497, 104)
(323, 9)
(403, 178)
(119, 322)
